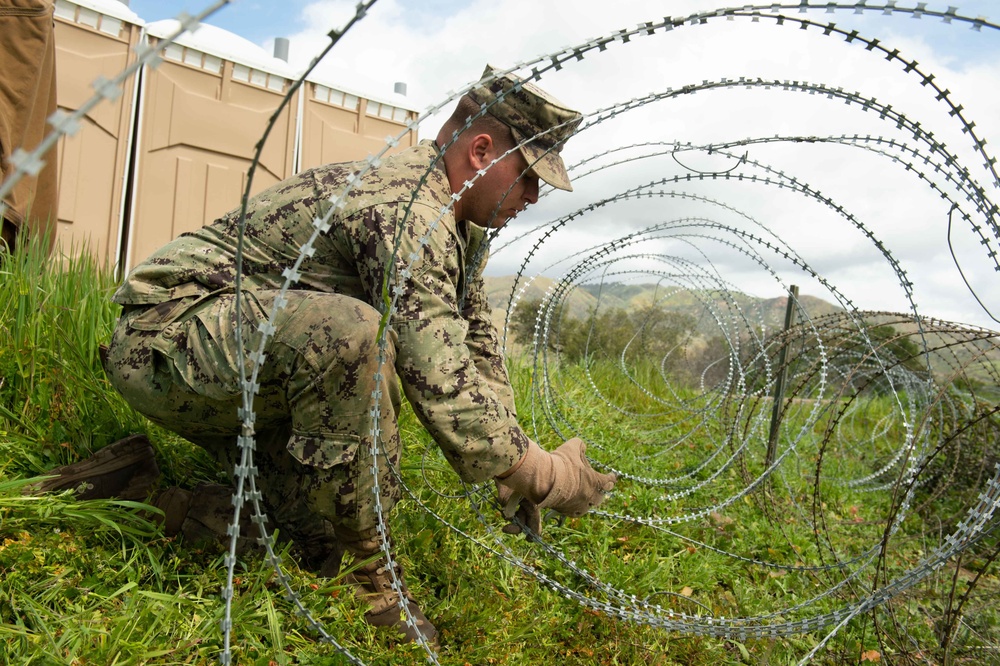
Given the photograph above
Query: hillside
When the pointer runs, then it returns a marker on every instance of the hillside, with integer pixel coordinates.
(579, 305)
(980, 359)
(584, 299)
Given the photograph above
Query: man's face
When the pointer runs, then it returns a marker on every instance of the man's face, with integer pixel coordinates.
(502, 192)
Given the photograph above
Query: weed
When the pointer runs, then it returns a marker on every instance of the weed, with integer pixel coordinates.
(96, 581)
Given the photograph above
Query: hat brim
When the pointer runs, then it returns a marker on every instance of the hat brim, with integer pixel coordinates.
(547, 164)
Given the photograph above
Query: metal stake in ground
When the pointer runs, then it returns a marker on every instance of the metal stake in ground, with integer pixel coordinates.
(779, 384)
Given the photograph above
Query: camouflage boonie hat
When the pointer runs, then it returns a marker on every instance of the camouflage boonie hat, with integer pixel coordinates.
(533, 115)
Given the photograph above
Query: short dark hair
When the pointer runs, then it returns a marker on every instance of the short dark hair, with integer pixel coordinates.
(485, 124)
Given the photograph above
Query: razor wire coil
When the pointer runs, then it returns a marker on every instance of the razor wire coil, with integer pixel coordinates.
(840, 365)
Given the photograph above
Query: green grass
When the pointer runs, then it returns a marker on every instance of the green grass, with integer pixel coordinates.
(96, 582)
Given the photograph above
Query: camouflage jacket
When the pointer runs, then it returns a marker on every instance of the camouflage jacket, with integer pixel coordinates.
(447, 356)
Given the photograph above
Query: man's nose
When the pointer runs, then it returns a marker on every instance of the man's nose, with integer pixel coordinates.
(531, 190)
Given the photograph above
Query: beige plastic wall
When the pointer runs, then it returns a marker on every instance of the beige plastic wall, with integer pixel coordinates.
(332, 132)
(197, 135)
(93, 162)
(197, 128)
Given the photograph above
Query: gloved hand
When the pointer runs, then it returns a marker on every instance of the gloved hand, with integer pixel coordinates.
(562, 480)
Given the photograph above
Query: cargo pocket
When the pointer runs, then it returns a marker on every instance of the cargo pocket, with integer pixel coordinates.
(324, 452)
(211, 331)
(196, 337)
(158, 317)
(156, 326)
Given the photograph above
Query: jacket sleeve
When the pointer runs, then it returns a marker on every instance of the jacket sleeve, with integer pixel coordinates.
(454, 399)
(484, 342)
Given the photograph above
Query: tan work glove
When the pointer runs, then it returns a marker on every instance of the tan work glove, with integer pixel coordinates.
(562, 480)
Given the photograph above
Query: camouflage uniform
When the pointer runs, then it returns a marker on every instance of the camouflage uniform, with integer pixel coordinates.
(173, 353)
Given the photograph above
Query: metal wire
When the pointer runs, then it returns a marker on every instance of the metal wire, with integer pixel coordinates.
(892, 410)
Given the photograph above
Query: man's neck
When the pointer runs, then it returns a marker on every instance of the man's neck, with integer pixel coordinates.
(452, 185)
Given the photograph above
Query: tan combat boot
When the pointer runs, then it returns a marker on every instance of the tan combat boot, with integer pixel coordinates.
(125, 470)
(372, 583)
(203, 515)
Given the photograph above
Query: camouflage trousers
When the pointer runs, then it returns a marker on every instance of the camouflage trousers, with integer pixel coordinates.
(176, 363)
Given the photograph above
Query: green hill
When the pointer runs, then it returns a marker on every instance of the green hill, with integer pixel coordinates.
(955, 350)
(584, 299)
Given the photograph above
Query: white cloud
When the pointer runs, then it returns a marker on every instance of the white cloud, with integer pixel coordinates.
(434, 54)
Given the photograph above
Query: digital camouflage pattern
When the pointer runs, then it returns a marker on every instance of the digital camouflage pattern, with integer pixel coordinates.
(175, 361)
(171, 362)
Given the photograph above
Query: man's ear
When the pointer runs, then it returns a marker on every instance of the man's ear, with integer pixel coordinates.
(481, 151)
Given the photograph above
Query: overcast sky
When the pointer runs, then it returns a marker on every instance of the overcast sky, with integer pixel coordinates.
(437, 46)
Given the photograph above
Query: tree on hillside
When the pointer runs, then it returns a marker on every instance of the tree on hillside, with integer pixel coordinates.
(522, 321)
(647, 332)
(899, 348)
(871, 357)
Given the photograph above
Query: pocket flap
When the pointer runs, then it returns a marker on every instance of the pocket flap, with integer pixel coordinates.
(324, 452)
(159, 316)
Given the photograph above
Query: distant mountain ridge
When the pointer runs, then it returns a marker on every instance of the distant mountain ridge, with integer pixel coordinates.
(584, 299)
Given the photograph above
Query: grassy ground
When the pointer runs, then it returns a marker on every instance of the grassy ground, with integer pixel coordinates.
(96, 582)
